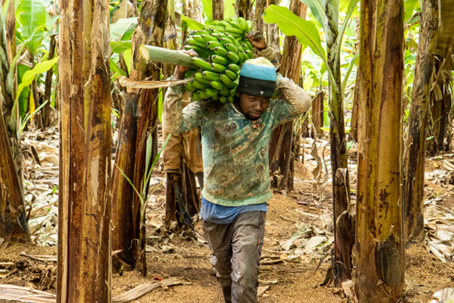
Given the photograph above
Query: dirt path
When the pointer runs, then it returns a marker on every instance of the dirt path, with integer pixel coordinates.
(289, 281)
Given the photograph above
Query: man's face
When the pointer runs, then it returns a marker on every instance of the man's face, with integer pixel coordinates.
(252, 106)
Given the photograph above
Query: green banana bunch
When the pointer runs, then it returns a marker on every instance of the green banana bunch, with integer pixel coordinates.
(222, 48)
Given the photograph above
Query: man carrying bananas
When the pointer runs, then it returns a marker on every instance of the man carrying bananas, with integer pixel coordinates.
(235, 139)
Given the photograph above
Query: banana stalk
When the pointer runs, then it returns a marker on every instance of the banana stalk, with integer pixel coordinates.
(159, 54)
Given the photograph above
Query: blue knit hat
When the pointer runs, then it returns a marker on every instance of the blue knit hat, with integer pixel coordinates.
(257, 78)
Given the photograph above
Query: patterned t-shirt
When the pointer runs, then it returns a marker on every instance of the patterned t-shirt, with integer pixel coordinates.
(234, 148)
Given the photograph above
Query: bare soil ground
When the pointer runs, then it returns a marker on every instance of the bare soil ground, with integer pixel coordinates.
(289, 281)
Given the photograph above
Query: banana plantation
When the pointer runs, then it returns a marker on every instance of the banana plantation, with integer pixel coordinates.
(137, 137)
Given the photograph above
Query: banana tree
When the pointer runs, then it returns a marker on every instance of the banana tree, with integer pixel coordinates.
(327, 15)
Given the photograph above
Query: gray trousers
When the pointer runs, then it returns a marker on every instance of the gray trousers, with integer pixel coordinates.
(236, 249)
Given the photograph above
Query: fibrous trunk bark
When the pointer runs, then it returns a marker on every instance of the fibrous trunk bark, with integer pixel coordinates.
(84, 209)
(243, 8)
(13, 222)
(218, 9)
(150, 31)
(47, 109)
(416, 136)
(259, 9)
(343, 218)
(280, 151)
(317, 115)
(379, 254)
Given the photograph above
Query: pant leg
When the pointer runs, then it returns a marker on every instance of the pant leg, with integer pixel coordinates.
(219, 237)
(247, 242)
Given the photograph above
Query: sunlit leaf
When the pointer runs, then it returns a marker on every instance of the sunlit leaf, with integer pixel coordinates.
(207, 9)
(192, 24)
(123, 29)
(31, 14)
(119, 46)
(127, 56)
(318, 10)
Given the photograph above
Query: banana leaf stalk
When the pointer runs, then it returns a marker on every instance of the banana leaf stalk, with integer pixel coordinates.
(163, 55)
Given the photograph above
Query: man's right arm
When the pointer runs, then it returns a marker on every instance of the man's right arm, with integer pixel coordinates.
(177, 120)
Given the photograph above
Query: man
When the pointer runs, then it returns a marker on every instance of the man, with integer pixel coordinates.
(235, 138)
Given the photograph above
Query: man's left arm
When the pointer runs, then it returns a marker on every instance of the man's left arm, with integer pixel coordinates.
(297, 101)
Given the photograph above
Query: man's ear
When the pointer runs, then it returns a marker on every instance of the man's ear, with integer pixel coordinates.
(238, 94)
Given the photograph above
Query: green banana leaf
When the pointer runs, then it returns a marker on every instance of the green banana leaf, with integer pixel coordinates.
(123, 29)
(229, 10)
(120, 46)
(194, 25)
(352, 7)
(127, 56)
(32, 14)
(114, 67)
(318, 10)
(207, 9)
(23, 97)
(353, 62)
(292, 25)
(29, 76)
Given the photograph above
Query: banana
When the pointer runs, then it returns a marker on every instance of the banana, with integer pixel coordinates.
(234, 31)
(217, 85)
(193, 42)
(198, 39)
(226, 40)
(216, 28)
(233, 57)
(231, 99)
(201, 63)
(201, 52)
(235, 24)
(199, 85)
(218, 67)
(250, 54)
(199, 78)
(214, 22)
(249, 25)
(211, 76)
(208, 38)
(231, 47)
(203, 32)
(220, 59)
(220, 51)
(196, 97)
(240, 48)
(227, 81)
(188, 47)
(249, 45)
(241, 57)
(234, 67)
(224, 23)
(224, 92)
(211, 92)
(213, 44)
(244, 25)
(223, 99)
(189, 87)
(230, 74)
(245, 46)
(202, 95)
(215, 97)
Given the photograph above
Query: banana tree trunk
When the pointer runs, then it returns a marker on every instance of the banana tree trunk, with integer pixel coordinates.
(343, 220)
(416, 136)
(259, 9)
(317, 115)
(243, 8)
(47, 109)
(13, 222)
(218, 9)
(380, 257)
(282, 137)
(84, 210)
(150, 31)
